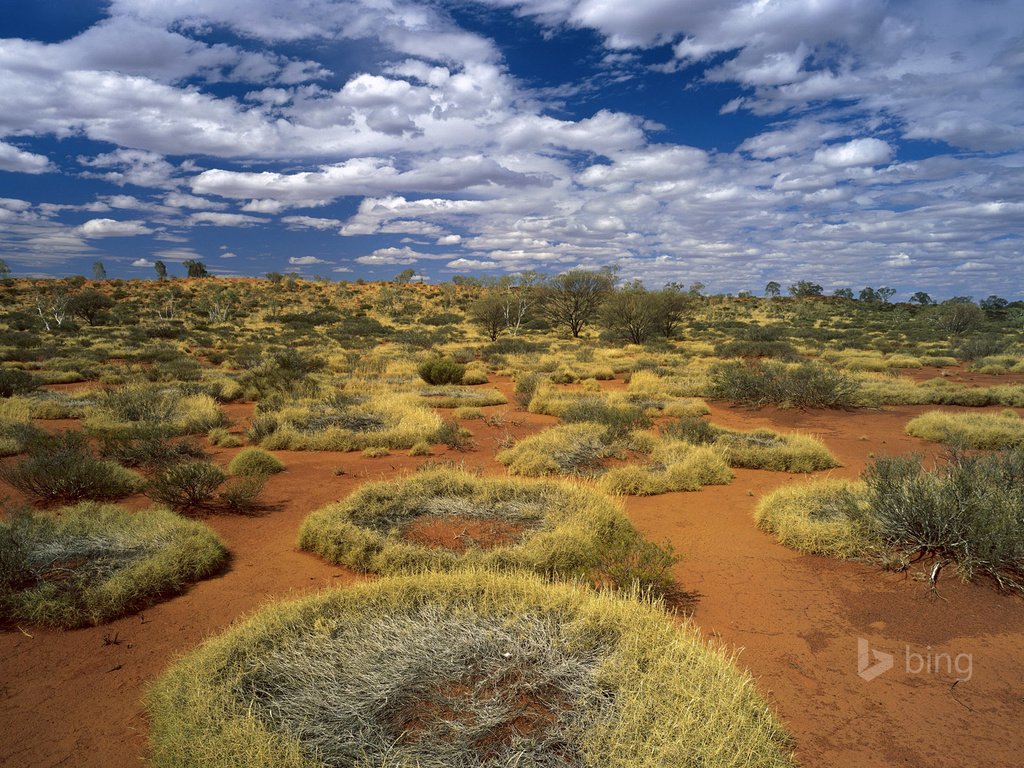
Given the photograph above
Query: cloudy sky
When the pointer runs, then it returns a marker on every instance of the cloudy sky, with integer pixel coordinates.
(849, 142)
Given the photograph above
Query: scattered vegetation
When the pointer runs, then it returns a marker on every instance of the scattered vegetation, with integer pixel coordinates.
(970, 510)
(970, 430)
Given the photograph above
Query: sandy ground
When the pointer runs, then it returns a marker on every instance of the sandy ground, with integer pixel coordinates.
(76, 697)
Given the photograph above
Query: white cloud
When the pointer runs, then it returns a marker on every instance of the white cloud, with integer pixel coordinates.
(113, 228)
(304, 261)
(311, 222)
(19, 161)
(143, 263)
(856, 153)
(471, 264)
(224, 219)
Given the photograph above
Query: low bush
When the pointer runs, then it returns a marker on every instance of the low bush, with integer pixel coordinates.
(92, 563)
(805, 385)
(149, 452)
(675, 466)
(465, 669)
(15, 381)
(618, 419)
(458, 397)
(969, 510)
(255, 461)
(62, 468)
(441, 370)
(186, 485)
(241, 493)
(526, 386)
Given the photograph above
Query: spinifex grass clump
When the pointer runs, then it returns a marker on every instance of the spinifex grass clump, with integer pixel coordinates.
(758, 449)
(345, 423)
(93, 563)
(457, 397)
(468, 669)
(970, 510)
(447, 519)
(805, 385)
(62, 468)
(971, 430)
(568, 449)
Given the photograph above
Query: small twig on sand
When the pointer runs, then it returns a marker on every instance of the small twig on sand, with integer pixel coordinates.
(933, 580)
(26, 634)
(952, 691)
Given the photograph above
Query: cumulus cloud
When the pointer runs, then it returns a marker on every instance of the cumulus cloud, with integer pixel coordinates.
(852, 154)
(19, 161)
(305, 261)
(143, 263)
(113, 228)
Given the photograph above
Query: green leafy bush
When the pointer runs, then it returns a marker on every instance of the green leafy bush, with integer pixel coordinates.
(61, 468)
(186, 485)
(441, 370)
(805, 385)
(15, 381)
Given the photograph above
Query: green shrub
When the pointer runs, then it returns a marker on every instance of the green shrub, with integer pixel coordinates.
(255, 461)
(148, 452)
(93, 563)
(806, 385)
(186, 485)
(241, 493)
(526, 385)
(61, 468)
(441, 370)
(14, 381)
(464, 669)
(618, 419)
(969, 510)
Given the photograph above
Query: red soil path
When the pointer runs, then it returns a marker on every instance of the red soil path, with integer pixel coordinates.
(67, 698)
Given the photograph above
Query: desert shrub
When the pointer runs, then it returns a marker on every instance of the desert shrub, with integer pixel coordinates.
(62, 468)
(466, 669)
(805, 385)
(441, 370)
(186, 485)
(254, 461)
(973, 430)
(526, 386)
(468, 413)
(150, 410)
(546, 527)
(969, 510)
(568, 449)
(618, 419)
(241, 493)
(475, 377)
(93, 563)
(773, 349)
(148, 452)
(15, 381)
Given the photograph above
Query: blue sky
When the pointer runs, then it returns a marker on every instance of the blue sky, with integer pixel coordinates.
(732, 142)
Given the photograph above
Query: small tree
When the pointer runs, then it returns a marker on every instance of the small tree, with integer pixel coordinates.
(885, 293)
(488, 314)
(869, 296)
(195, 268)
(53, 309)
(772, 289)
(99, 272)
(275, 277)
(5, 271)
(804, 288)
(90, 305)
(994, 303)
(957, 316)
(843, 293)
(629, 313)
(572, 299)
(404, 276)
(922, 298)
(161, 270)
(670, 306)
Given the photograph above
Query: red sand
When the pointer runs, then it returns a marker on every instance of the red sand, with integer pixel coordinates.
(67, 698)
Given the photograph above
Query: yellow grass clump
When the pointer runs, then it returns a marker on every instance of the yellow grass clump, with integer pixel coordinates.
(337, 678)
(974, 430)
(815, 517)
